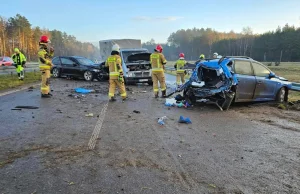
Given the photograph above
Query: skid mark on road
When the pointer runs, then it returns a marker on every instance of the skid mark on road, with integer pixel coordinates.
(96, 132)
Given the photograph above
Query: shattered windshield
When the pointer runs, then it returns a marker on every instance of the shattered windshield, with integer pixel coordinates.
(125, 54)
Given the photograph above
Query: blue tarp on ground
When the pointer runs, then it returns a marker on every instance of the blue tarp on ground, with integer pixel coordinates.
(82, 90)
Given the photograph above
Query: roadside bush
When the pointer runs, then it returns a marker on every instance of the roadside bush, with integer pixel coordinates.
(277, 63)
(269, 64)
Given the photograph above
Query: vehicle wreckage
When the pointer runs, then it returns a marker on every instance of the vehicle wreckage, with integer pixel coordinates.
(211, 80)
(223, 81)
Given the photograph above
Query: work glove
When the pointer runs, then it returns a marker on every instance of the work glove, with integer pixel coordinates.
(175, 66)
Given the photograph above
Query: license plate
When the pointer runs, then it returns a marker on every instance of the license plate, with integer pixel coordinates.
(143, 80)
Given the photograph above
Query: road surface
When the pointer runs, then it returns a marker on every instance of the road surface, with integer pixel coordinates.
(58, 148)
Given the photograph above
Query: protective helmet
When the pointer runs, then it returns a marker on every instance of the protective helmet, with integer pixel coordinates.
(202, 56)
(181, 55)
(215, 54)
(159, 48)
(16, 50)
(115, 47)
(44, 39)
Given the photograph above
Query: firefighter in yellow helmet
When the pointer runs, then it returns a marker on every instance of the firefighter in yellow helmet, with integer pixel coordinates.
(45, 54)
(114, 63)
(157, 60)
(20, 61)
(180, 72)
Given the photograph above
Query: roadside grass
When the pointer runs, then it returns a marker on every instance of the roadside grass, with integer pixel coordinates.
(290, 71)
(8, 81)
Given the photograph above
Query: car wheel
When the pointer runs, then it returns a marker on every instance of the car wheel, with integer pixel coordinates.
(150, 83)
(281, 95)
(88, 76)
(55, 73)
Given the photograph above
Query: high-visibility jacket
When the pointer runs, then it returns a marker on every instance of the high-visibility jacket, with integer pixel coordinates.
(19, 59)
(157, 61)
(180, 63)
(114, 62)
(45, 58)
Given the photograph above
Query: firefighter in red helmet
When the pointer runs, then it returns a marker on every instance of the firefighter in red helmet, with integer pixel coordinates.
(45, 55)
(157, 60)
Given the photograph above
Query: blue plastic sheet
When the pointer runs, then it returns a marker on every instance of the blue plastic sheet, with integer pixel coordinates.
(82, 90)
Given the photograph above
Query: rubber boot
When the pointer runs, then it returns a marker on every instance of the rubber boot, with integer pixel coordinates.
(163, 94)
(19, 76)
(45, 96)
(156, 95)
(112, 99)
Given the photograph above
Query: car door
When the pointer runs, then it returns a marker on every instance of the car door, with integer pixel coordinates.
(246, 81)
(265, 86)
(68, 67)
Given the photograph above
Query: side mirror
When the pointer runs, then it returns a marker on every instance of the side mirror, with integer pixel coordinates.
(272, 75)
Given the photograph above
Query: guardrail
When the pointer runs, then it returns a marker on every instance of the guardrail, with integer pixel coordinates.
(11, 70)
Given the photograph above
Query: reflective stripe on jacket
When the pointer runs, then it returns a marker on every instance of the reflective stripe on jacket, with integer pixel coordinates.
(44, 59)
(157, 61)
(180, 63)
(114, 62)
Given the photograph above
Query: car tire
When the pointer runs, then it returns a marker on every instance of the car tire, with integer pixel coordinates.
(150, 83)
(55, 73)
(88, 76)
(281, 95)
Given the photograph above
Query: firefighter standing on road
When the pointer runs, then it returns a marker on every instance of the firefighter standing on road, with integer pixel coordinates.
(180, 73)
(157, 60)
(20, 61)
(114, 63)
(45, 54)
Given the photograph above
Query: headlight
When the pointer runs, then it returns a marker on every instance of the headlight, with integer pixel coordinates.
(96, 70)
(130, 74)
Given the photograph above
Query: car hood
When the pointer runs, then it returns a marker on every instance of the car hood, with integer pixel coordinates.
(138, 57)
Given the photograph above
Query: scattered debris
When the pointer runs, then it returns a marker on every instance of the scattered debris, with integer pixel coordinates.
(83, 90)
(128, 89)
(214, 134)
(179, 97)
(144, 188)
(212, 185)
(59, 111)
(89, 115)
(71, 183)
(143, 91)
(129, 116)
(179, 156)
(15, 109)
(33, 117)
(27, 107)
(210, 150)
(170, 102)
(242, 158)
(161, 120)
(31, 88)
(136, 111)
(186, 120)
(282, 106)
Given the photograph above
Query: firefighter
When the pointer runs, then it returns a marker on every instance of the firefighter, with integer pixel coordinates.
(202, 57)
(114, 63)
(157, 60)
(215, 55)
(45, 54)
(20, 61)
(180, 72)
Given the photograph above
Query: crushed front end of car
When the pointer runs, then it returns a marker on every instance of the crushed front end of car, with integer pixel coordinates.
(213, 81)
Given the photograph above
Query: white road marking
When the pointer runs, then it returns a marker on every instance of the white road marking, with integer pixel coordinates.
(17, 90)
(96, 132)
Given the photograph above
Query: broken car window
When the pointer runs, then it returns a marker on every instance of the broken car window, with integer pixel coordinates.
(243, 68)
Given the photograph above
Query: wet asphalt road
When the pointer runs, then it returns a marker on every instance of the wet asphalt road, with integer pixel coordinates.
(46, 150)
